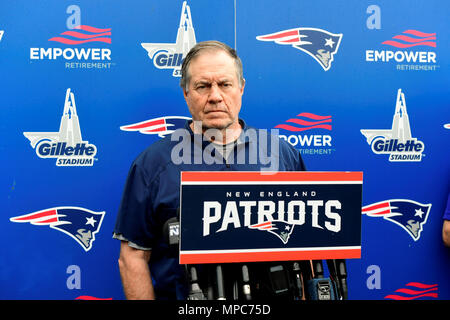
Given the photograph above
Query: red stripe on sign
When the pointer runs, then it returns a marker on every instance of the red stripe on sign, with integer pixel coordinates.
(269, 256)
(397, 297)
(145, 124)
(242, 176)
(376, 206)
(421, 285)
(36, 215)
(278, 35)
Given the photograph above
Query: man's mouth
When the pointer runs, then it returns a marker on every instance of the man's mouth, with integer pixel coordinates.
(212, 112)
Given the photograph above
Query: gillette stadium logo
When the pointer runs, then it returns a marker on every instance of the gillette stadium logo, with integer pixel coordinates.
(161, 126)
(76, 56)
(297, 128)
(78, 223)
(66, 145)
(407, 214)
(397, 142)
(171, 55)
(403, 52)
(320, 44)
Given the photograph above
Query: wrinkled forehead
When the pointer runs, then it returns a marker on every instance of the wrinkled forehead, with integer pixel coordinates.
(213, 63)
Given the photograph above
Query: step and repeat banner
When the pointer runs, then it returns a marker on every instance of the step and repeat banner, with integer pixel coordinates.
(86, 85)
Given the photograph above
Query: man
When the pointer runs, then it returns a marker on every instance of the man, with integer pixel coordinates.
(213, 85)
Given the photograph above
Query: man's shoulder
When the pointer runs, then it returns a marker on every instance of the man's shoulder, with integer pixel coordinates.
(284, 145)
(278, 147)
(287, 146)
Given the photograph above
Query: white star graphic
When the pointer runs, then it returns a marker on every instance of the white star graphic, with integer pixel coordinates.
(419, 213)
(329, 42)
(91, 221)
(287, 228)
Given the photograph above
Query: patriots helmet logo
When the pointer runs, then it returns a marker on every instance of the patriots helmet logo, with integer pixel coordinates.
(319, 44)
(279, 228)
(78, 223)
(161, 126)
(408, 214)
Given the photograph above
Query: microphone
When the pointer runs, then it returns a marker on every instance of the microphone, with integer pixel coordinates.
(195, 293)
(320, 288)
(342, 277)
(171, 230)
(220, 283)
(331, 263)
(171, 234)
(338, 274)
(298, 286)
(317, 268)
(246, 282)
(279, 279)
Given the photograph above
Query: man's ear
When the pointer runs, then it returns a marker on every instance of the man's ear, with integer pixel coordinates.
(242, 87)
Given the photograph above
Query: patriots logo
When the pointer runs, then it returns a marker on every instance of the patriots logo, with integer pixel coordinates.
(160, 126)
(78, 223)
(408, 214)
(279, 228)
(319, 44)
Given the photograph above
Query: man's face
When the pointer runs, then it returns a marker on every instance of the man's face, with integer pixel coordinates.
(214, 95)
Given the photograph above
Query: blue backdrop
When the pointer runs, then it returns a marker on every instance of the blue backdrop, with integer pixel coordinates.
(307, 88)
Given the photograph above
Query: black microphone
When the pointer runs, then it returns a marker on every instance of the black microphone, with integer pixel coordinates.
(279, 279)
(341, 270)
(331, 263)
(171, 234)
(320, 288)
(195, 292)
(317, 269)
(171, 230)
(298, 286)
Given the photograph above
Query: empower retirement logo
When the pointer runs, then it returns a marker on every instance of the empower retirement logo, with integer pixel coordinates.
(412, 50)
(79, 47)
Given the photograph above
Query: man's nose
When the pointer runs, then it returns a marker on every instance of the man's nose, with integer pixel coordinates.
(215, 95)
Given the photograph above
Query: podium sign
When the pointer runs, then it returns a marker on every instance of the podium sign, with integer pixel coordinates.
(254, 216)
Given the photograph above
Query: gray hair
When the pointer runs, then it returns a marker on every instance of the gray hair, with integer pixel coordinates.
(211, 45)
